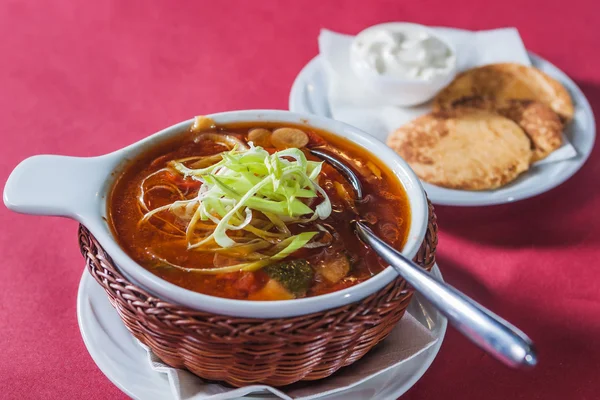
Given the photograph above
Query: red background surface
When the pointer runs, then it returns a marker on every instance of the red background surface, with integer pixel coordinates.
(86, 78)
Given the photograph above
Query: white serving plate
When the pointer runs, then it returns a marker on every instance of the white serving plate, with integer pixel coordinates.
(125, 363)
(309, 95)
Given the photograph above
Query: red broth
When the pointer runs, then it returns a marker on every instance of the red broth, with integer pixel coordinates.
(345, 261)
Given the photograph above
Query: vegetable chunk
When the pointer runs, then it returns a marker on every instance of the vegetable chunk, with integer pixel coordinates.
(295, 276)
(273, 290)
(334, 270)
(260, 137)
(285, 138)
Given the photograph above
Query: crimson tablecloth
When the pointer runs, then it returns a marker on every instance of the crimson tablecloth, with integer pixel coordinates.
(85, 78)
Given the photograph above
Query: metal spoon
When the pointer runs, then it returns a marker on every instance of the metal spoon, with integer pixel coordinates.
(493, 334)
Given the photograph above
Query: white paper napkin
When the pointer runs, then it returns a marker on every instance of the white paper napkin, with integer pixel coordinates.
(408, 339)
(354, 104)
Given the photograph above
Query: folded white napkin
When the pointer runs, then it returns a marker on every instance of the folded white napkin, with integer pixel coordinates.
(408, 339)
(354, 104)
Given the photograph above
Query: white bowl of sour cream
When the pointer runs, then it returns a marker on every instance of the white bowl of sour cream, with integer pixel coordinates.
(404, 63)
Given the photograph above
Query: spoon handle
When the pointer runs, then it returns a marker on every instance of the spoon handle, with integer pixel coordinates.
(489, 331)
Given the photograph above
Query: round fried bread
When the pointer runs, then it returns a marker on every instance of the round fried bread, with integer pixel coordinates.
(508, 81)
(463, 149)
(540, 123)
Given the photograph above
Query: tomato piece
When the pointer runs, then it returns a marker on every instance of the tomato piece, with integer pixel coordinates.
(314, 140)
(189, 183)
(230, 276)
(246, 282)
(181, 182)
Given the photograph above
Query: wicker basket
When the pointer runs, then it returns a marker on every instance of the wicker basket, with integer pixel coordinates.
(243, 351)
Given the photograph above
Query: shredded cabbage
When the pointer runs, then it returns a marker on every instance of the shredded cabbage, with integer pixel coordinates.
(251, 191)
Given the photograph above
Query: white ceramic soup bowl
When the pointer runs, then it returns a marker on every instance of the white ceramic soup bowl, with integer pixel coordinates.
(78, 188)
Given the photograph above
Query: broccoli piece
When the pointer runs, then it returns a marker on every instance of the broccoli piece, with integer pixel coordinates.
(295, 276)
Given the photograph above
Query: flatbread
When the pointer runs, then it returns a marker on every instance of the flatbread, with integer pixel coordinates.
(464, 149)
(508, 81)
(540, 123)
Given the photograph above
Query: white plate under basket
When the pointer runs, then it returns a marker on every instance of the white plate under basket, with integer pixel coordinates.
(125, 363)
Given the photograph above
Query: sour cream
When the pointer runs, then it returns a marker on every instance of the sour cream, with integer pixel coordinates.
(401, 50)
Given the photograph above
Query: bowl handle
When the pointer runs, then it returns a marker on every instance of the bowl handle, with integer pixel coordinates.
(58, 185)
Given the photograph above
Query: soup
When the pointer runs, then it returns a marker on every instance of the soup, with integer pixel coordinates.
(245, 211)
